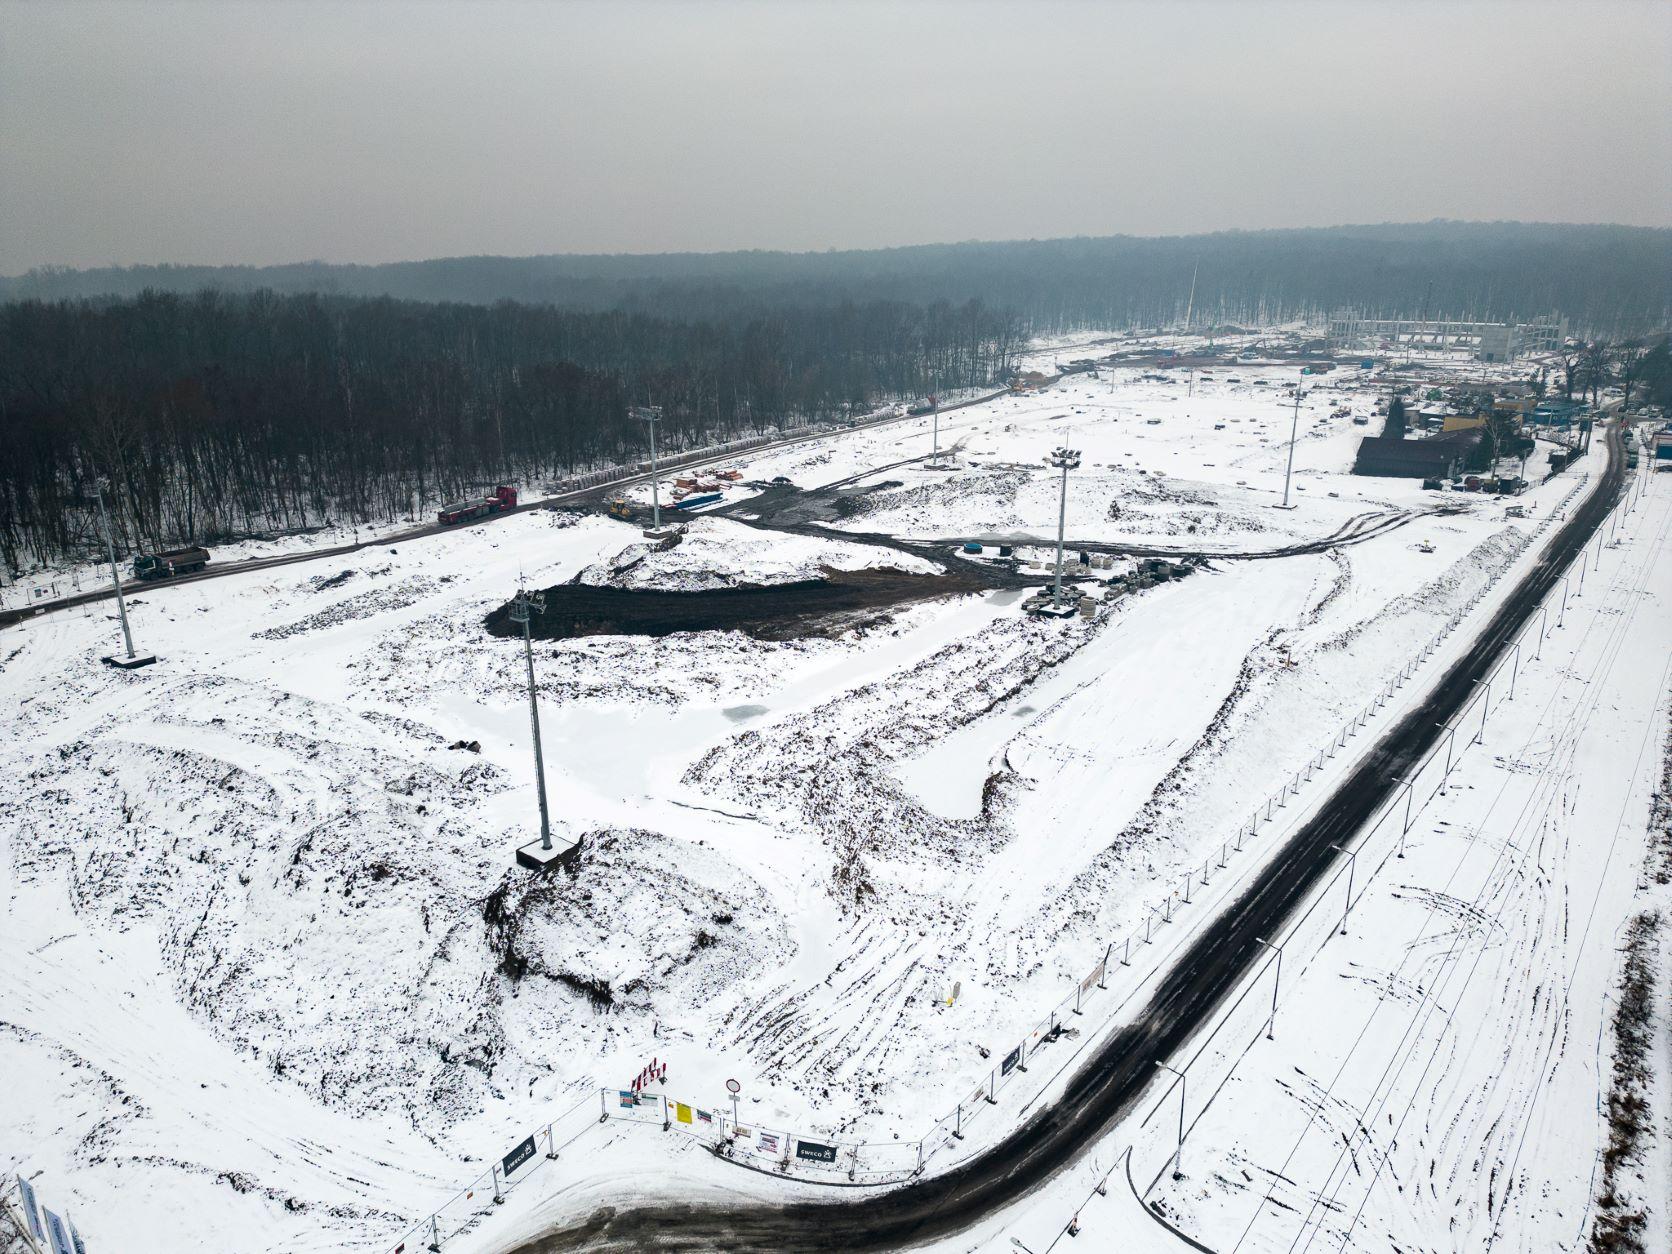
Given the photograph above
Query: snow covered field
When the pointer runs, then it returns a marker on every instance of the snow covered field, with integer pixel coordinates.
(273, 981)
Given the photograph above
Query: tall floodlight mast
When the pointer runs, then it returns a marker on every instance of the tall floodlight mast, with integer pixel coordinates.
(934, 404)
(131, 661)
(523, 605)
(1065, 460)
(1294, 428)
(650, 415)
(115, 575)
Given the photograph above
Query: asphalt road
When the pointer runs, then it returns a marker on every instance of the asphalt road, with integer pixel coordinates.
(1111, 1082)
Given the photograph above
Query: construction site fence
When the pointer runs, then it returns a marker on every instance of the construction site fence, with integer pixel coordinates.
(522, 1162)
(609, 474)
(822, 1158)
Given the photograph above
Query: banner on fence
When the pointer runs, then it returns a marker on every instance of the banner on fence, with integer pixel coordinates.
(1092, 980)
(1010, 1061)
(517, 1157)
(769, 1143)
(704, 1117)
(813, 1152)
(27, 1192)
(629, 1099)
(60, 1237)
(682, 1112)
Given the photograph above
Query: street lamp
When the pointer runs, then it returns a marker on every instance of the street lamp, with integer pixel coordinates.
(1178, 1154)
(1271, 1022)
(1065, 460)
(934, 404)
(1352, 865)
(650, 415)
(523, 606)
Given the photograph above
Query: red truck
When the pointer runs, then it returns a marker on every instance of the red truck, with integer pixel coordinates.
(503, 500)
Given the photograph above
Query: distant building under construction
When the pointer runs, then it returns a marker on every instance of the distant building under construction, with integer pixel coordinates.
(1491, 341)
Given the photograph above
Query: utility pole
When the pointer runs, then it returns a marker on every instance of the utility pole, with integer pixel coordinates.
(523, 606)
(934, 405)
(650, 415)
(1065, 460)
(131, 661)
(1294, 429)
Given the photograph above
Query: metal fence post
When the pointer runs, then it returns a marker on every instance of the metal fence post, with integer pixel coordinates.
(435, 1234)
(551, 1143)
(993, 1087)
(1104, 974)
(1126, 953)
(498, 1197)
(957, 1129)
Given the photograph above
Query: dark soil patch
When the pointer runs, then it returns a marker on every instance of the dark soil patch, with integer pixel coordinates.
(781, 612)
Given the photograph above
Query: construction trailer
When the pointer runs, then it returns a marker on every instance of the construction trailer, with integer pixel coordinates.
(503, 500)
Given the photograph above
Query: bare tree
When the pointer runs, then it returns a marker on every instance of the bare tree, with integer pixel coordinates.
(1570, 356)
(1628, 363)
(1594, 366)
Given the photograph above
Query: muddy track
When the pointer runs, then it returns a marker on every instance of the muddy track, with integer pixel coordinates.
(1110, 1083)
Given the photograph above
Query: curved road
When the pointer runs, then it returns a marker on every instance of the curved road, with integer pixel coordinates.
(1108, 1084)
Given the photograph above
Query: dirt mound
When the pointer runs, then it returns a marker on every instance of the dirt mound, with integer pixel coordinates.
(780, 612)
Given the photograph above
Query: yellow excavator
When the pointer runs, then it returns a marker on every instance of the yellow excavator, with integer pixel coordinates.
(620, 509)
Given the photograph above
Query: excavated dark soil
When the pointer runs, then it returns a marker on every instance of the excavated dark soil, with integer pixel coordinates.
(784, 611)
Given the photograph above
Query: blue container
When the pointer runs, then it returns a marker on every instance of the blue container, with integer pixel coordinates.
(707, 498)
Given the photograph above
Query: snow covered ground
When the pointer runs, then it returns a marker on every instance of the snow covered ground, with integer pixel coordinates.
(1438, 1075)
(271, 969)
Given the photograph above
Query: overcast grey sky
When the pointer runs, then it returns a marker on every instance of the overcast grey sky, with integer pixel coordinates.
(225, 132)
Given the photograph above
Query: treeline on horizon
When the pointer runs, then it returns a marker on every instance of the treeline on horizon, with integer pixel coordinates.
(217, 415)
(1612, 282)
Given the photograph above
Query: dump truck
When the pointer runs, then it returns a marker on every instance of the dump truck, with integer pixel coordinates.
(169, 564)
(504, 499)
